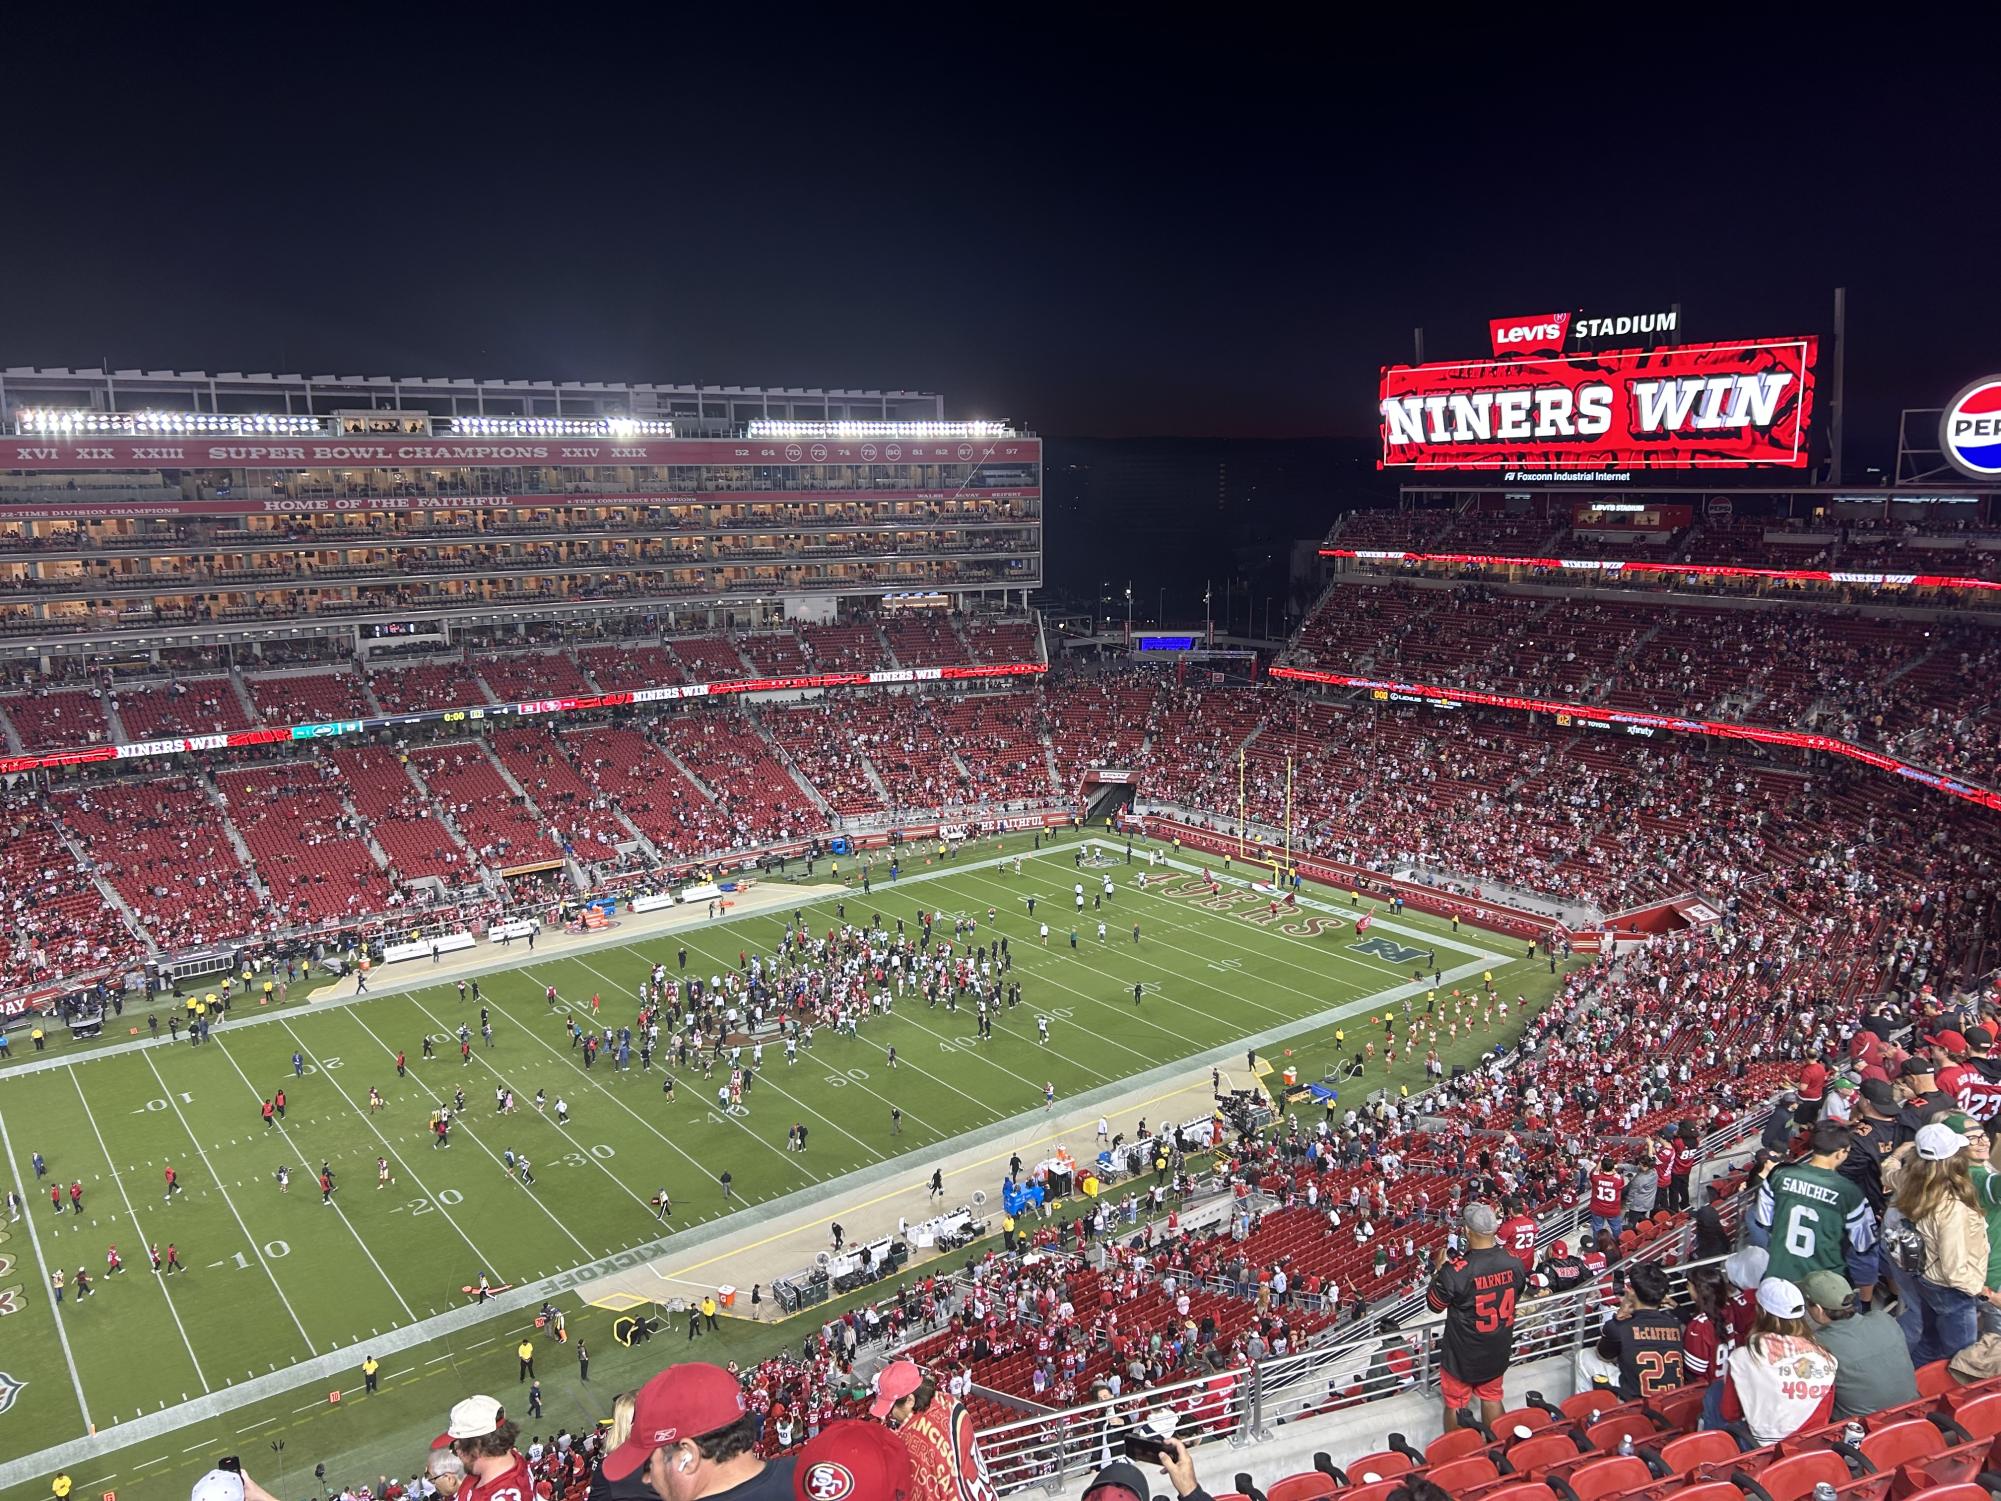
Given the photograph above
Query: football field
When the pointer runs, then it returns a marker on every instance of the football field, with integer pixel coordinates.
(276, 1279)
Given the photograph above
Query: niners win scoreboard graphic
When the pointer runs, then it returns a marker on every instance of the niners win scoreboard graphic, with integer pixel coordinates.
(1740, 405)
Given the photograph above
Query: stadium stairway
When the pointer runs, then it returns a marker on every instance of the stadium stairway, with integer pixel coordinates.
(783, 757)
(242, 691)
(105, 889)
(118, 736)
(233, 834)
(487, 878)
(573, 866)
(708, 793)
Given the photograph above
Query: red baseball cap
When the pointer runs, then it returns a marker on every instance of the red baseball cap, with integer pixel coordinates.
(853, 1461)
(683, 1401)
(1952, 1042)
(894, 1382)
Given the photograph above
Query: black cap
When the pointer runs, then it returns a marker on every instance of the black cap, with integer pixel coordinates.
(1121, 1474)
(1879, 1094)
(1915, 1067)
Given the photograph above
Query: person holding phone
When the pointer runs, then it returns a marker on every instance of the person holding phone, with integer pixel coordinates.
(1122, 1480)
(227, 1482)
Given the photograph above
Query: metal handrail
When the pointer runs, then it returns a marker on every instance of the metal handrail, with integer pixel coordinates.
(1246, 1401)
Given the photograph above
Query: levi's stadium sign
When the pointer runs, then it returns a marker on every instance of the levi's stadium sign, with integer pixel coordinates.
(1740, 405)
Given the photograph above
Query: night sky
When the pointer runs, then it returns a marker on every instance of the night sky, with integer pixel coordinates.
(1091, 231)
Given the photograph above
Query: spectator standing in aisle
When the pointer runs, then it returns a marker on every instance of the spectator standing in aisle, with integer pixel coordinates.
(1476, 1290)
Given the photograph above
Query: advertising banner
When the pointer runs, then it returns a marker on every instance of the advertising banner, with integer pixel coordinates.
(1740, 405)
(250, 452)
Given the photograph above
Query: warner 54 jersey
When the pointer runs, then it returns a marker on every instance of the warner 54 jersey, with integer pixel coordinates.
(1816, 1218)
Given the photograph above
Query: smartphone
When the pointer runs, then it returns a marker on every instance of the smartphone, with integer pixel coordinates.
(1145, 1448)
(230, 1463)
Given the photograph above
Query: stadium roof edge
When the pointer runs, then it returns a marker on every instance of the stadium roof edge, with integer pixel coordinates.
(441, 382)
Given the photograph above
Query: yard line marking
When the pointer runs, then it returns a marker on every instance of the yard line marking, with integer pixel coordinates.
(256, 1247)
(160, 1281)
(260, 1423)
(34, 1237)
(369, 1120)
(460, 1122)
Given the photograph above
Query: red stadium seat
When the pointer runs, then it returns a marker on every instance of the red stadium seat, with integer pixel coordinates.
(1461, 1475)
(1794, 1477)
(1541, 1452)
(1507, 1426)
(1936, 1379)
(1913, 1440)
(1528, 1491)
(1979, 1415)
(1609, 1477)
(1379, 1490)
(1585, 1406)
(1606, 1434)
(1681, 1409)
(1960, 1492)
(1709, 1490)
(1310, 1486)
(1458, 1444)
(1691, 1451)
(1384, 1464)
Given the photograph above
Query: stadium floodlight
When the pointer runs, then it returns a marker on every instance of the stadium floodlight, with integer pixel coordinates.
(562, 427)
(59, 421)
(775, 427)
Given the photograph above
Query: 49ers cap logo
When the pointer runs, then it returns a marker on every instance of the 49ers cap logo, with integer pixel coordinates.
(1970, 429)
(828, 1481)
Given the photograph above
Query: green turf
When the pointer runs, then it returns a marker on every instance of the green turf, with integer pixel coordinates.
(275, 1278)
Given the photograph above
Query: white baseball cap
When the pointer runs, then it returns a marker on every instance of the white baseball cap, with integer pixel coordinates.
(1746, 1266)
(1781, 1299)
(476, 1417)
(218, 1485)
(1938, 1142)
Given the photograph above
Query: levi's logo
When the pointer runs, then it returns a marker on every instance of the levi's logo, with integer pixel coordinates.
(1535, 331)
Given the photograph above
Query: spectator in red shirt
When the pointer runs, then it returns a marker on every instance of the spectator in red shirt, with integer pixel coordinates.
(1608, 1200)
(1812, 1088)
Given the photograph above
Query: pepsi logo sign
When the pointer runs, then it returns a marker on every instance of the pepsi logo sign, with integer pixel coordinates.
(1970, 429)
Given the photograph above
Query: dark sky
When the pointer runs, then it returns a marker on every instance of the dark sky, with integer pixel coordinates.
(1090, 231)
